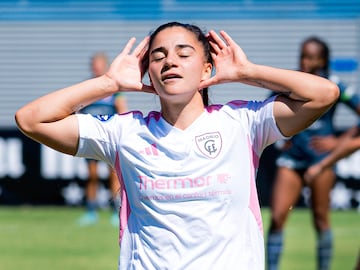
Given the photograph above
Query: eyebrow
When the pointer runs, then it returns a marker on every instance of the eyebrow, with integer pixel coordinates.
(179, 46)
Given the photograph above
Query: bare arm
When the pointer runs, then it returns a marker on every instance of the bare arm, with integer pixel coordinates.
(305, 97)
(50, 119)
(348, 143)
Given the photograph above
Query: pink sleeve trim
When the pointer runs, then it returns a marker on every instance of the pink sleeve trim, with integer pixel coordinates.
(254, 205)
(125, 208)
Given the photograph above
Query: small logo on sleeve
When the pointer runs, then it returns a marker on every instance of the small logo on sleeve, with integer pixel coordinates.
(103, 118)
(209, 144)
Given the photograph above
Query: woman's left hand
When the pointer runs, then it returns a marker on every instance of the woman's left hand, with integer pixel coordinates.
(230, 61)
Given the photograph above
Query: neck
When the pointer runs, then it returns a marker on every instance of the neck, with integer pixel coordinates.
(182, 115)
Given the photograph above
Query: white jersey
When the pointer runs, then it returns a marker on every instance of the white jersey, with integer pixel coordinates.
(189, 196)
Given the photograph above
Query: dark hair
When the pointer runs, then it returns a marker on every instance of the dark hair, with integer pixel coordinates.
(325, 51)
(200, 37)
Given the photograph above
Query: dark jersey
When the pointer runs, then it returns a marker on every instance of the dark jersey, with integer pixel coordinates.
(300, 150)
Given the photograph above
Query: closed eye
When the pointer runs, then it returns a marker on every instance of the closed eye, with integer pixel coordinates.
(157, 56)
(157, 59)
(185, 51)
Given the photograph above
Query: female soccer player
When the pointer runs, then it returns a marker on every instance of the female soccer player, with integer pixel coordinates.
(187, 171)
(304, 150)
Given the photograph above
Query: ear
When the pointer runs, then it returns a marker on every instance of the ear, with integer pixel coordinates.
(207, 71)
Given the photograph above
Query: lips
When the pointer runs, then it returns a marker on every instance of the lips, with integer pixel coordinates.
(170, 76)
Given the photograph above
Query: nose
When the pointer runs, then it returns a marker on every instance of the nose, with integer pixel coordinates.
(167, 65)
(170, 60)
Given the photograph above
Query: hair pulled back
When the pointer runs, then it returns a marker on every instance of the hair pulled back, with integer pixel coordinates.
(201, 37)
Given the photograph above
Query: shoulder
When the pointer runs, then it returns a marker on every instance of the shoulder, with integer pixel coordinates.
(241, 105)
(138, 118)
(251, 105)
(244, 110)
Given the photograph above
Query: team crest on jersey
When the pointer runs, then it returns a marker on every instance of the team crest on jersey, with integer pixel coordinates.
(209, 144)
(103, 118)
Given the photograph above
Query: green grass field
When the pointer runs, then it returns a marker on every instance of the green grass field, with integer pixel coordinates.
(47, 238)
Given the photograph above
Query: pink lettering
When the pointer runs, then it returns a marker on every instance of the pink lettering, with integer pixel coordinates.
(173, 183)
(160, 184)
(144, 182)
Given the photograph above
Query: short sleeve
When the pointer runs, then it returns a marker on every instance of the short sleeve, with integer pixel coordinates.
(96, 137)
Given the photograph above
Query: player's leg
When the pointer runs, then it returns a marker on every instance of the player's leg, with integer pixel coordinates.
(92, 184)
(320, 206)
(286, 191)
(90, 217)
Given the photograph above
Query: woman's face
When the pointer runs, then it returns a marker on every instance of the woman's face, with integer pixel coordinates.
(177, 63)
(311, 60)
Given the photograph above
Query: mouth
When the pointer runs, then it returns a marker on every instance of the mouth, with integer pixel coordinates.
(170, 76)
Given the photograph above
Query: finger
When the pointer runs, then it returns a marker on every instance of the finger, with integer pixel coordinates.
(141, 48)
(210, 38)
(148, 89)
(214, 56)
(227, 38)
(208, 82)
(214, 47)
(214, 37)
(129, 45)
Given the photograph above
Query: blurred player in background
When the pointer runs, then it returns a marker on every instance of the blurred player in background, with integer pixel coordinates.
(348, 143)
(107, 106)
(298, 154)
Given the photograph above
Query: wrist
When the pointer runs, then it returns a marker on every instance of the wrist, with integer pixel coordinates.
(108, 84)
(248, 72)
(321, 166)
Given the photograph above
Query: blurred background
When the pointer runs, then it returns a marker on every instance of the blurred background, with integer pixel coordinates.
(47, 45)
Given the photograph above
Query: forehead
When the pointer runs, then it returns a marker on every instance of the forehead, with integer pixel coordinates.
(173, 36)
(312, 48)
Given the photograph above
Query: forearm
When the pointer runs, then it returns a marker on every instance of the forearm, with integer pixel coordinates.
(347, 146)
(62, 103)
(331, 159)
(297, 85)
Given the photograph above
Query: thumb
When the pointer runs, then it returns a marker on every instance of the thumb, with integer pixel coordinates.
(148, 89)
(208, 82)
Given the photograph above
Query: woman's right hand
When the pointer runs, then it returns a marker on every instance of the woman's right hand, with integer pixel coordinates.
(126, 72)
(312, 172)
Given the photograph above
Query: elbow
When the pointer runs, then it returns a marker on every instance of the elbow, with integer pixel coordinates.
(327, 97)
(23, 121)
(332, 94)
